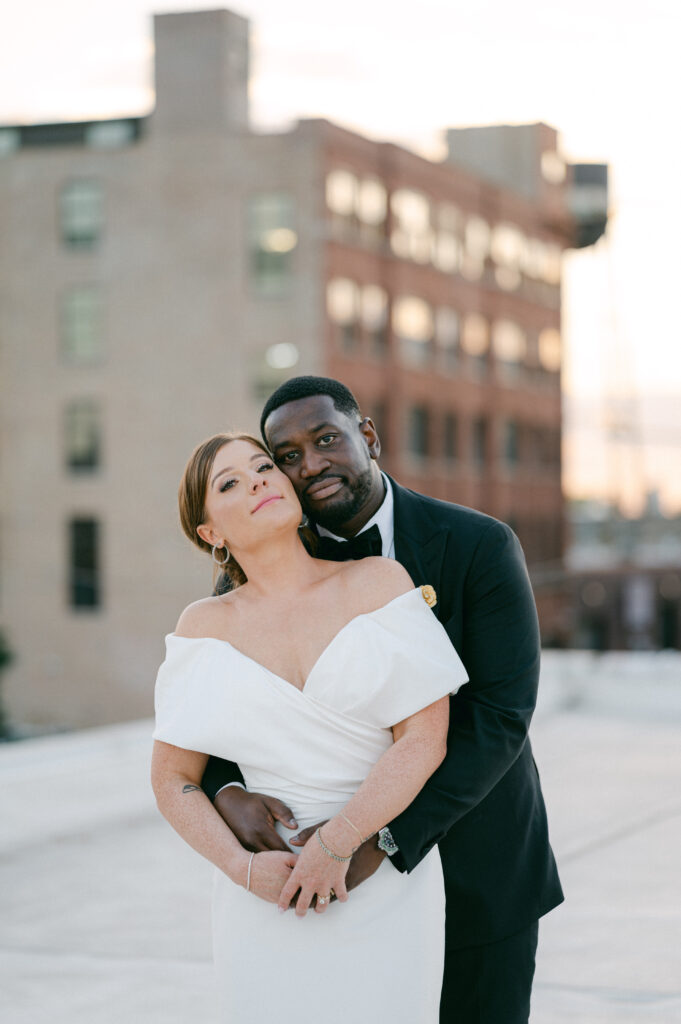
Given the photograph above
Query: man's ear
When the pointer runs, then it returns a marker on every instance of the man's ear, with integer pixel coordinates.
(370, 435)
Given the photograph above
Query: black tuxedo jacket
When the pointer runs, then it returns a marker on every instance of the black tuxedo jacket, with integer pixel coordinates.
(484, 804)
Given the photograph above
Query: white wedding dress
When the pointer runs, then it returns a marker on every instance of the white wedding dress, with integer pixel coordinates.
(379, 956)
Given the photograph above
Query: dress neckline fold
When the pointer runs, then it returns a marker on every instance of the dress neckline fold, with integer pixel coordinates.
(321, 656)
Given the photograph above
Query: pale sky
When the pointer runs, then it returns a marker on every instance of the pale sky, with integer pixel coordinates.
(605, 73)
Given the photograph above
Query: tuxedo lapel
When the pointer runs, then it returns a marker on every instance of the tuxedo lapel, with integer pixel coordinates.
(420, 541)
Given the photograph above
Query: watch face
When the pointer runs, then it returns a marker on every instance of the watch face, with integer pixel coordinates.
(386, 842)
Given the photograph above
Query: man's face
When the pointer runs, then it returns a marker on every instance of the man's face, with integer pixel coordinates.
(327, 455)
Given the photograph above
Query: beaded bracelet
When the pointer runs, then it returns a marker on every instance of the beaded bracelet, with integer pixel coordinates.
(328, 852)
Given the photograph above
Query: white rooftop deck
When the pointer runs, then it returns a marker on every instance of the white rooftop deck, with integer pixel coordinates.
(104, 913)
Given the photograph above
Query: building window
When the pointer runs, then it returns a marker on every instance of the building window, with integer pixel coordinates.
(479, 442)
(81, 327)
(82, 435)
(508, 246)
(342, 190)
(534, 446)
(510, 443)
(81, 214)
(549, 348)
(475, 341)
(417, 431)
(542, 261)
(414, 329)
(372, 208)
(272, 242)
(343, 308)
(412, 236)
(375, 317)
(84, 563)
(355, 202)
(508, 278)
(283, 355)
(511, 253)
(447, 254)
(450, 437)
(10, 141)
(509, 343)
(447, 337)
(448, 247)
(110, 134)
(476, 248)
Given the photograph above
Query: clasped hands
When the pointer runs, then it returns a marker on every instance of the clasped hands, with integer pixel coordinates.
(282, 876)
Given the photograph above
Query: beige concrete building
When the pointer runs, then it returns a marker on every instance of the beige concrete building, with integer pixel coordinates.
(160, 275)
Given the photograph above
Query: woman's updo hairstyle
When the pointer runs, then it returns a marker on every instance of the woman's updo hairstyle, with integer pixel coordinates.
(192, 501)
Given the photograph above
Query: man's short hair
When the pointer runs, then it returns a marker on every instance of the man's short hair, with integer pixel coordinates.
(306, 387)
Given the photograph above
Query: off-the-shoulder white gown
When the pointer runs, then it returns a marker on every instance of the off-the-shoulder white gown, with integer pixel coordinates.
(378, 956)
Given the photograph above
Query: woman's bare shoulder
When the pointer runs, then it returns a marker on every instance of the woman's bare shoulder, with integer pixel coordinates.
(381, 579)
(201, 618)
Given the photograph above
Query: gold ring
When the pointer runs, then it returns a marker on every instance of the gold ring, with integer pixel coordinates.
(323, 899)
(332, 893)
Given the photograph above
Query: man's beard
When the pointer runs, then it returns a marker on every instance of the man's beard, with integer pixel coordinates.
(337, 513)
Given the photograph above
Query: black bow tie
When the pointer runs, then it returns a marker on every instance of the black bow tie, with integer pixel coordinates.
(367, 543)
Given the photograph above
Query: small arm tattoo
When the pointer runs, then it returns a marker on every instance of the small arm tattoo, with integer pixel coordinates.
(190, 789)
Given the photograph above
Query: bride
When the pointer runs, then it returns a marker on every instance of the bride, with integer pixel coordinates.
(328, 683)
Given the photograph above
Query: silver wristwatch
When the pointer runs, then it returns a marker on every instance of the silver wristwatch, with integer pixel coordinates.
(386, 842)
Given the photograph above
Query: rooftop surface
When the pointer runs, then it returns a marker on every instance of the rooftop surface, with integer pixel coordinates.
(104, 912)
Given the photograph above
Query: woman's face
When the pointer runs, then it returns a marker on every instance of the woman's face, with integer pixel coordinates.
(247, 498)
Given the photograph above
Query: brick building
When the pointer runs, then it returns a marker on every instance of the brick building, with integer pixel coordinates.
(160, 275)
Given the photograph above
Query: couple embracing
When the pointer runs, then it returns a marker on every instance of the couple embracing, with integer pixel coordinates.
(342, 730)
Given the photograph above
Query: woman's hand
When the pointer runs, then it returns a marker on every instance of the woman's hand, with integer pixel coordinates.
(270, 871)
(366, 859)
(315, 874)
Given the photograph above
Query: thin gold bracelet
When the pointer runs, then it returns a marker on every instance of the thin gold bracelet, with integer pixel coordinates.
(361, 837)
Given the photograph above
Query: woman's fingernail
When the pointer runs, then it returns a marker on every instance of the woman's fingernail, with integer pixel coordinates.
(282, 910)
(293, 823)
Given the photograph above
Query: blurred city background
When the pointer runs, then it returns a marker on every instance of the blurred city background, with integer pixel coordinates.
(467, 213)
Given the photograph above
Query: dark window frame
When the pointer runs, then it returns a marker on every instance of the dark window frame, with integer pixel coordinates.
(84, 563)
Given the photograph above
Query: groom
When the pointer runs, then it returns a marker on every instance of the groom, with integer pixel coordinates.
(483, 805)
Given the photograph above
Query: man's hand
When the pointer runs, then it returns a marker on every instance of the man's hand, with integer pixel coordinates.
(365, 860)
(251, 817)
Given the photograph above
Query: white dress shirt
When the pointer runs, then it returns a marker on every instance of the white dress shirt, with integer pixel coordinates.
(383, 518)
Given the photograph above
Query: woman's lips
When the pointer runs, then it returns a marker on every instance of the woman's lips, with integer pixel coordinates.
(324, 489)
(267, 501)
